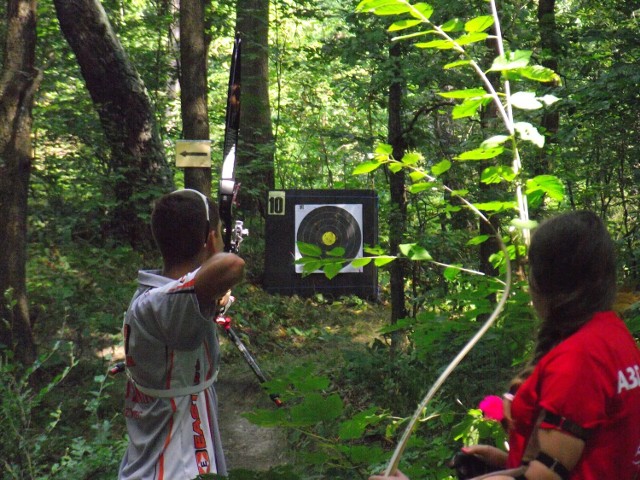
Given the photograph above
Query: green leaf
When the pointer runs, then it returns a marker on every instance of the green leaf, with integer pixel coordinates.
(477, 240)
(466, 93)
(309, 249)
(468, 108)
(312, 267)
(336, 252)
(472, 38)
(383, 7)
(480, 153)
(362, 454)
(495, 141)
(361, 262)
(459, 63)
(395, 167)
(440, 44)
(549, 184)
(453, 25)
(525, 101)
(366, 167)
(495, 206)
(424, 11)
(539, 73)
(497, 174)
(267, 418)
(355, 427)
(524, 224)
(549, 99)
(479, 24)
(420, 187)
(377, 250)
(412, 158)
(413, 35)
(417, 175)
(315, 409)
(332, 269)
(414, 251)
(511, 61)
(381, 260)
(384, 149)
(450, 273)
(529, 133)
(403, 25)
(441, 167)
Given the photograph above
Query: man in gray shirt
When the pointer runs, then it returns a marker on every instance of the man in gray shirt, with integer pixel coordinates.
(171, 345)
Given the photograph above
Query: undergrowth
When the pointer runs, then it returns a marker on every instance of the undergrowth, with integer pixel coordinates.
(346, 394)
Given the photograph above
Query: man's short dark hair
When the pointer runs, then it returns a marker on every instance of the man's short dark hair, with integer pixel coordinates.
(179, 224)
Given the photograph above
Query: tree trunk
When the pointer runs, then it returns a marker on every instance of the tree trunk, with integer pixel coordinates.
(256, 142)
(18, 84)
(193, 86)
(398, 210)
(120, 97)
(550, 45)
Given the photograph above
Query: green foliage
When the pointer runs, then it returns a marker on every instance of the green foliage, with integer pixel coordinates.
(329, 78)
(97, 454)
(331, 439)
(26, 423)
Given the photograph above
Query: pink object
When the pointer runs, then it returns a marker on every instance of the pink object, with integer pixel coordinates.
(491, 407)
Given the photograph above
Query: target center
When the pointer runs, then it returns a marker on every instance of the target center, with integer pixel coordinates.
(329, 238)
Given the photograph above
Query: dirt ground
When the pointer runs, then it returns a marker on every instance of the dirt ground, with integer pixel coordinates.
(246, 445)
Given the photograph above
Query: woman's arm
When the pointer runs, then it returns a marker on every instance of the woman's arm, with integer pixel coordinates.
(560, 447)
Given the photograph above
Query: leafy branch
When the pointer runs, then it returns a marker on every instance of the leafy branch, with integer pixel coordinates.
(457, 36)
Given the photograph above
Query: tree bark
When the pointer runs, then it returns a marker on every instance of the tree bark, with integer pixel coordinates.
(398, 210)
(193, 86)
(550, 45)
(256, 142)
(18, 84)
(137, 156)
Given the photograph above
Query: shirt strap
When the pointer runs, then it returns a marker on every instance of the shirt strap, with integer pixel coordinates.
(566, 425)
(174, 392)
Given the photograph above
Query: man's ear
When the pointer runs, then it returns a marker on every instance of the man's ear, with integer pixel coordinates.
(214, 241)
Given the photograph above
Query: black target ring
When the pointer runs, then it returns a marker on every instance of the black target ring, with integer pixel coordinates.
(331, 227)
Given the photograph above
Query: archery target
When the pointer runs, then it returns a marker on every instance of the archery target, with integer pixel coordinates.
(329, 227)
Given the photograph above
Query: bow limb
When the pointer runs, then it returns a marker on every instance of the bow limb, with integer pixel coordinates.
(228, 187)
(392, 467)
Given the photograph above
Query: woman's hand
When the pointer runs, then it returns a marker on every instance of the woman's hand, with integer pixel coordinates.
(395, 476)
(490, 455)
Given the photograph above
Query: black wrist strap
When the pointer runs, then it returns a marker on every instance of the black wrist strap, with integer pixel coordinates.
(553, 464)
(520, 477)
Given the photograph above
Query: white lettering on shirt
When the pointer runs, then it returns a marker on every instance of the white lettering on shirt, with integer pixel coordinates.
(629, 378)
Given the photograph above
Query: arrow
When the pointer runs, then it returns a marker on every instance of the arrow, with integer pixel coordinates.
(194, 154)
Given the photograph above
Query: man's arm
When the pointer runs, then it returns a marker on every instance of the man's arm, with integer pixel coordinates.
(217, 276)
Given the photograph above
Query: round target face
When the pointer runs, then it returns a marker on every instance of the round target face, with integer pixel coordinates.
(331, 227)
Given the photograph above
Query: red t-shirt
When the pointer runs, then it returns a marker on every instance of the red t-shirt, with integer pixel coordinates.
(593, 379)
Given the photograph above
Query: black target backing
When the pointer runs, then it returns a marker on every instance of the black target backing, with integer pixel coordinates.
(331, 227)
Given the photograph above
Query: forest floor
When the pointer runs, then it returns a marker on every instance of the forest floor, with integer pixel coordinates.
(246, 445)
(255, 448)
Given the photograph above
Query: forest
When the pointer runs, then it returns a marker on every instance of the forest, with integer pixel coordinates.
(470, 120)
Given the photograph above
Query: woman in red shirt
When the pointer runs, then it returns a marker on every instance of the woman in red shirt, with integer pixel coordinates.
(577, 414)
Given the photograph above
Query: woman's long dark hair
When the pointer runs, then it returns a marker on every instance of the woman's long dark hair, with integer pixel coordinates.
(572, 274)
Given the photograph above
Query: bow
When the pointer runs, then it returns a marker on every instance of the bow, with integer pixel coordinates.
(233, 233)
(392, 466)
